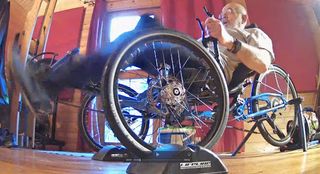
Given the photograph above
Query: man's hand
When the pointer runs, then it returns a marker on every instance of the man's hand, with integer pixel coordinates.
(216, 29)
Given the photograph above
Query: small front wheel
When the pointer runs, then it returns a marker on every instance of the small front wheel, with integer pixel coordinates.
(273, 125)
(94, 127)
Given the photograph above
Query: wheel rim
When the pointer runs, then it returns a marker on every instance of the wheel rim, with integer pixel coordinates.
(179, 91)
(93, 122)
(275, 80)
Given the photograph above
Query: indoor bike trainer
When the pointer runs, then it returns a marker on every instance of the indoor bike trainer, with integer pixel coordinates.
(167, 159)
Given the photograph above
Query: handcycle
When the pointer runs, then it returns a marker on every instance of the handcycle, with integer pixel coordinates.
(184, 98)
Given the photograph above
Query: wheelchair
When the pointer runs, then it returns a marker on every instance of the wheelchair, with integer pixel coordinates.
(164, 87)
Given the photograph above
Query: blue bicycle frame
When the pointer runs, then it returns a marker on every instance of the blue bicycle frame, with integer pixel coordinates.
(248, 102)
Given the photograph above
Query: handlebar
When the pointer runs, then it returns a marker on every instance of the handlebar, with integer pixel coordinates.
(206, 40)
(207, 12)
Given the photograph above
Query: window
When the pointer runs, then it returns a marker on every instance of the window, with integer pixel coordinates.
(119, 25)
(122, 24)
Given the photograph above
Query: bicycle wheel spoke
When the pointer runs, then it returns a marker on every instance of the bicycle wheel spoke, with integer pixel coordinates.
(197, 98)
(95, 110)
(194, 116)
(193, 79)
(270, 87)
(154, 66)
(155, 55)
(181, 67)
(172, 64)
(163, 56)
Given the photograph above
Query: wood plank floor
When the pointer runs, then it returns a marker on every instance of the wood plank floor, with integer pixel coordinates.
(25, 161)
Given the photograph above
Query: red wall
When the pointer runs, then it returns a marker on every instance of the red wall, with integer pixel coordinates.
(65, 30)
(287, 24)
(181, 15)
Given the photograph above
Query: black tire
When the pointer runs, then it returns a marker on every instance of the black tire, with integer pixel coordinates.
(179, 77)
(91, 109)
(273, 125)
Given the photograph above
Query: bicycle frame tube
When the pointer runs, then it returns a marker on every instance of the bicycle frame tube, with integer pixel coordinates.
(262, 97)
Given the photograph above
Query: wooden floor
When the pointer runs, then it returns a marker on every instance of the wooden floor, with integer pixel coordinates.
(25, 161)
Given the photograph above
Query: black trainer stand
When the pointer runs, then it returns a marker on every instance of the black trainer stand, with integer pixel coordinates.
(313, 138)
(304, 146)
(169, 159)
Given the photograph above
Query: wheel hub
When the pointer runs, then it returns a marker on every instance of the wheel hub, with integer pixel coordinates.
(173, 94)
(166, 95)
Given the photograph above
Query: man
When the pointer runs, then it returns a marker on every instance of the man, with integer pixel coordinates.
(252, 47)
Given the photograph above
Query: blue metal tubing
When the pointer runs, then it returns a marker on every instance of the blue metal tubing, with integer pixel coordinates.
(262, 97)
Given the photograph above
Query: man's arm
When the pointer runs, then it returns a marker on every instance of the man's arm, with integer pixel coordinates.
(255, 58)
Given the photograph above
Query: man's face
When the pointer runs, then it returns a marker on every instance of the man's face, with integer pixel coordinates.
(230, 17)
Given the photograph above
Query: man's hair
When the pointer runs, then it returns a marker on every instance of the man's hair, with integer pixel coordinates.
(239, 8)
(147, 21)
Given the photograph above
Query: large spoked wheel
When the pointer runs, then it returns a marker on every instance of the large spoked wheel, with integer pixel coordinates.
(181, 90)
(94, 126)
(273, 125)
